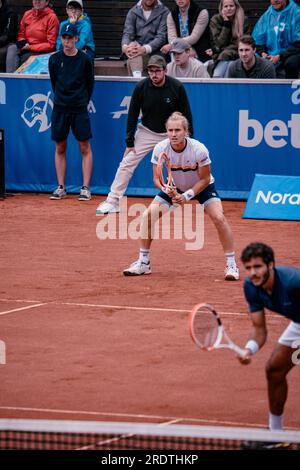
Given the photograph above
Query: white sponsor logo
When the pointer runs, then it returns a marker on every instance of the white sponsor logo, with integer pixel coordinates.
(37, 110)
(295, 98)
(91, 107)
(2, 92)
(124, 104)
(276, 133)
(278, 198)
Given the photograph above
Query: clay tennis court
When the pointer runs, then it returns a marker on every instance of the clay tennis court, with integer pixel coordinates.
(85, 342)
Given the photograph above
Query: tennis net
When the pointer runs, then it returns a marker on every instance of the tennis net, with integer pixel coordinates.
(28, 434)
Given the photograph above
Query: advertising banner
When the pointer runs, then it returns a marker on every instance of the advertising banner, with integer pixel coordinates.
(248, 128)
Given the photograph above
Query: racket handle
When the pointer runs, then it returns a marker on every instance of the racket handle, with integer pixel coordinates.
(240, 352)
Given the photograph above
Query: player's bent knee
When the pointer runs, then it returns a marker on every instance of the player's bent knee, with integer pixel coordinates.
(274, 372)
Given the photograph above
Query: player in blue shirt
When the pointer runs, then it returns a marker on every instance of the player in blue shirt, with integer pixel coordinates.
(277, 289)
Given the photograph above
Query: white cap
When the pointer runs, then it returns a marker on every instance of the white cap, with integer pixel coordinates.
(75, 1)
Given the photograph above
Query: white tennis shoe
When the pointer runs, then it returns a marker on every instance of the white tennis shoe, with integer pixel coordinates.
(137, 269)
(107, 207)
(85, 194)
(59, 193)
(232, 273)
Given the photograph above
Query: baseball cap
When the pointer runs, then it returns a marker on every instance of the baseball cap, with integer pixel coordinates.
(157, 61)
(69, 29)
(179, 45)
(76, 1)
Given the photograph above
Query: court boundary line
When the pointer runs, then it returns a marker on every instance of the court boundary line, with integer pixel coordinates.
(118, 307)
(165, 419)
(28, 307)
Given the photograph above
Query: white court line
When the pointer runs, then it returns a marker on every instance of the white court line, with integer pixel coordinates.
(126, 307)
(152, 309)
(22, 308)
(20, 300)
(169, 419)
(123, 436)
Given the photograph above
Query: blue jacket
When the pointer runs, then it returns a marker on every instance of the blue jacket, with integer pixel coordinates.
(279, 30)
(85, 34)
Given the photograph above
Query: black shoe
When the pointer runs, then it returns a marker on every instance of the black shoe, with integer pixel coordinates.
(257, 445)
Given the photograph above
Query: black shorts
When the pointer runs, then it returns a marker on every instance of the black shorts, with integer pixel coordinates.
(208, 193)
(62, 122)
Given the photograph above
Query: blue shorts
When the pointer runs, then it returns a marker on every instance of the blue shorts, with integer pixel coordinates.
(62, 122)
(205, 197)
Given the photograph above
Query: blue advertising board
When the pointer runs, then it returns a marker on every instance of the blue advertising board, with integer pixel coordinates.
(274, 197)
(248, 128)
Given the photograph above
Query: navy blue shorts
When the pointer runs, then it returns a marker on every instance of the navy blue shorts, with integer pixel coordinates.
(62, 122)
(208, 193)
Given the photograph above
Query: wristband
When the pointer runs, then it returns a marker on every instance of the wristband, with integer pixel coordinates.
(253, 346)
(189, 194)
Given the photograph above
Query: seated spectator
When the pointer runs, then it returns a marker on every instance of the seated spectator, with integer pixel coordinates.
(277, 35)
(145, 31)
(37, 34)
(84, 28)
(8, 31)
(249, 65)
(189, 21)
(183, 65)
(226, 28)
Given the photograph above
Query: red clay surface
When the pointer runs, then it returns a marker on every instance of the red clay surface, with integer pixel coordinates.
(82, 352)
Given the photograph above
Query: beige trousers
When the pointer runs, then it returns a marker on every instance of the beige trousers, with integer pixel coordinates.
(145, 141)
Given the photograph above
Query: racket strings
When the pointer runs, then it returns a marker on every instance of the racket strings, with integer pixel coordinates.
(205, 328)
(165, 172)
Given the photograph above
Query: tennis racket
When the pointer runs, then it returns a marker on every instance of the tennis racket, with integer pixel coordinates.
(207, 330)
(164, 173)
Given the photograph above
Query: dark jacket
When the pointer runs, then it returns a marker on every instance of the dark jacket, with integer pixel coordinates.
(224, 46)
(156, 105)
(8, 24)
(204, 41)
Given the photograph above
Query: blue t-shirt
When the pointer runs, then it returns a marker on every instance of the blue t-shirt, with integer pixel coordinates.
(285, 297)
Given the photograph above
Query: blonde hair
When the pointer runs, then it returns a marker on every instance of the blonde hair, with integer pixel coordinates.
(177, 116)
(237, 28)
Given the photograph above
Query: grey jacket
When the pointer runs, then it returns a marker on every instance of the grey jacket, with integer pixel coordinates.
(152, 32)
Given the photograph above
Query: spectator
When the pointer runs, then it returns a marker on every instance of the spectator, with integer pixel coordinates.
(145, 31)
(37, 34)
(188, 20)
(77, 16)
(226, 28)
(156, 98)
(72, 79)
(249, 65)
(8, 31)
(277, 35)
(183, 65)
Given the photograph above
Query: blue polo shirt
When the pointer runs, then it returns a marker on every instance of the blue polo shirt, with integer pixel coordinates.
(285, 297)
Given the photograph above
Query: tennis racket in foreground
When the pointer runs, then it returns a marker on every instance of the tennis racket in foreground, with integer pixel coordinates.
(207, 330)
(164, 172)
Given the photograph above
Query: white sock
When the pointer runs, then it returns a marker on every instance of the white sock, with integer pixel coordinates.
(230, 259)
(144, 255)
(275, 422)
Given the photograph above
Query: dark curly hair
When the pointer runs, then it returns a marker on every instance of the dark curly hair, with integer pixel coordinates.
(260, 250)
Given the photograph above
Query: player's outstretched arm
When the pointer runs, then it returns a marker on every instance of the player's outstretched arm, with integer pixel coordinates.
(257, 337)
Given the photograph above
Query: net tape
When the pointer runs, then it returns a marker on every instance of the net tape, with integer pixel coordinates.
(91, 435)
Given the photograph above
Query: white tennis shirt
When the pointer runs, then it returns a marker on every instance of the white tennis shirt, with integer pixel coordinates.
(184, 164)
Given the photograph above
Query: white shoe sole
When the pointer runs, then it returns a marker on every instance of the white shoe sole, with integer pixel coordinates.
(128, 273)
(112, 211)
(53, 198)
